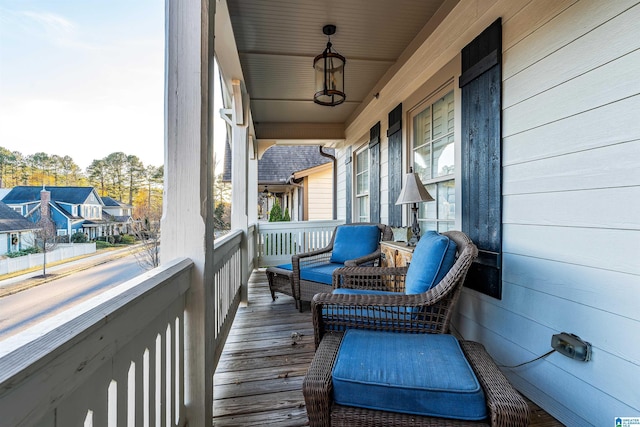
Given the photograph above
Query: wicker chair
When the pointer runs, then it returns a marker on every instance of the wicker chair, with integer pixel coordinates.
(304, 290)
(429, 312)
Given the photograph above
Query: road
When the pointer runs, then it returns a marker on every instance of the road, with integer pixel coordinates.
(26, 308)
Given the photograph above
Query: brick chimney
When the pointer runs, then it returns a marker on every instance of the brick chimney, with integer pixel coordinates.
(45, 198)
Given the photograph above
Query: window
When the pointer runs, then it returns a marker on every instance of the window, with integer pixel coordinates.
(434, 160)
(362, 185)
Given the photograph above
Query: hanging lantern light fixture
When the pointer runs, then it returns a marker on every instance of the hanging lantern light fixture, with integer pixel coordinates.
(329, 71)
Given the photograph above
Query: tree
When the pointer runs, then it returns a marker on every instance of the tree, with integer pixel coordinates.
(45, 239)
(98, 173)
(71, 173)
(116, 164)
(276, 212)
(146, 229)
(7, 160)
(135, 173)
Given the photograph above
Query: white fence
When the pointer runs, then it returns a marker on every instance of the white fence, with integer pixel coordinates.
(277, 241)
(63, 251)
(119, 358)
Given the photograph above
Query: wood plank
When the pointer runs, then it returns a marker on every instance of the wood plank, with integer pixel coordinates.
(569, 25)
(605, 43)
(584, 131)
(608, 83)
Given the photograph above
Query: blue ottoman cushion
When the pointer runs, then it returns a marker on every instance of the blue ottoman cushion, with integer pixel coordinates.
(354, 241)
(420, 374)
(432, 258)
(321, 273)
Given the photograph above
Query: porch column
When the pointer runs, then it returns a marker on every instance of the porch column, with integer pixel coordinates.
(239, 181)
(252, 196)
(187, 223)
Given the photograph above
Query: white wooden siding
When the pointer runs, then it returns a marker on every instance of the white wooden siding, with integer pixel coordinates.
(571, 193)
(320, 195)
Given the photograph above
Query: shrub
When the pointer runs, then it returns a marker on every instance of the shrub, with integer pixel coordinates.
(276, 212)
(127, 239)
(26, 251)
(286, 216)
(79, 237)
(101, 244)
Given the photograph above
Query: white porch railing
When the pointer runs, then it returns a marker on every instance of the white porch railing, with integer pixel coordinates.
(277, 241)
(119, 358)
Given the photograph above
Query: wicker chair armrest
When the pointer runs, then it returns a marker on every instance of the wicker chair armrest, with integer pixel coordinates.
(418, 313)
(506, 407)
(372, 257)
(299, 262)
(317, 386)
(312, 253)
(371, 278)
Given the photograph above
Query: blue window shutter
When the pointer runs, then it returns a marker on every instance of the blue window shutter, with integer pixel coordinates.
(481, 86)
(394, 135)
(374, 173)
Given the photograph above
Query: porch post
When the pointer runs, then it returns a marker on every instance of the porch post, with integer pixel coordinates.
(187, 223)
(239, 181)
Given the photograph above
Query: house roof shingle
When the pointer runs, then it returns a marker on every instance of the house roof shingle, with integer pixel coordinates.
(280, 161)
(23, 194)
(11, 220)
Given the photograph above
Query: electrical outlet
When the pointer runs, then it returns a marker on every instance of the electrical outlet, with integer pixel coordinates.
(571, 346)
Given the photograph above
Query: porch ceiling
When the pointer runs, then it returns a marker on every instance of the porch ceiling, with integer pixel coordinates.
(278, 39)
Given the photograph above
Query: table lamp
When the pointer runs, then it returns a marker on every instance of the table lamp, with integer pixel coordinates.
(413, 192)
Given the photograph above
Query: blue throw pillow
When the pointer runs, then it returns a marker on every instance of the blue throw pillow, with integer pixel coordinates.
(432, 258)
(354, 241)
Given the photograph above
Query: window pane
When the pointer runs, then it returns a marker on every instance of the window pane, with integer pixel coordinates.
(443, 157)
(362, 183)
(363, 209)
(447, 200)
(362, 161)
(443, 116)
(422, 162)
(422, 128)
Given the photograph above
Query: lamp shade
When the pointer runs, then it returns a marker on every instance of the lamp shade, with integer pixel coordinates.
(413, 191)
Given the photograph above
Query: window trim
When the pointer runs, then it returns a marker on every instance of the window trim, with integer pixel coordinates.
(439, 86)
(356, 195)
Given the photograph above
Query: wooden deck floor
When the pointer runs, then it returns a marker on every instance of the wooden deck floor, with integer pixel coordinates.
(259, 378)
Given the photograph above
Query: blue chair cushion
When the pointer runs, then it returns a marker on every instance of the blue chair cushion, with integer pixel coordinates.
(432, 258)
(285, 266)
(321, 273)
(420, 374)
(354, 241)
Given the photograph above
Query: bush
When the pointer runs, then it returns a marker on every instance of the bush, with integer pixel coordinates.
(79, 237)
(276, 212)
(127, 239)
(286, 216)
(27, 251)
(101, 244)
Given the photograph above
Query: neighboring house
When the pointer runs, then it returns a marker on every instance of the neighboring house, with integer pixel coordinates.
(73, 209)
(300, 178)
(16, 232)
(118, 215)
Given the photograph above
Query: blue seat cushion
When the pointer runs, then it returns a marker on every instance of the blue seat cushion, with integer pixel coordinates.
(432, 258)
(321, 273)
(354, 241)
(420, 374)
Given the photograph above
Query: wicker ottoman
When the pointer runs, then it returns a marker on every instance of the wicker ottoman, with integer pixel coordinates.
(281, 280)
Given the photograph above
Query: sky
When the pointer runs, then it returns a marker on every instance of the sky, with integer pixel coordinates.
(83, 78)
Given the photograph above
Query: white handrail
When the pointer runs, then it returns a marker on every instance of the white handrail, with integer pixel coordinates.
(118, 358)
(276, 242)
